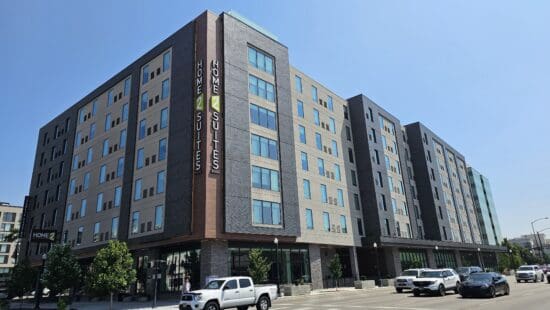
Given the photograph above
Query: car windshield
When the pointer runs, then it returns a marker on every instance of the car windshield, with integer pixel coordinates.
(525, 268)
(214, 285)
(463, 270)
(481, 277)
(409, 273)
(431, 274)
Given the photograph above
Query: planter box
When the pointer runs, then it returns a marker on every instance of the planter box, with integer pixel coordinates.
(386, 282)
(295, 290)
(363, 284)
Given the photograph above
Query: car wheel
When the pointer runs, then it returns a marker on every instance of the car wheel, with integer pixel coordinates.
(263, 303)
(519, 281)
(492, 292)
(536, 280)
(441, 290)
(399, 290)
(416, 293)
(457, 287)
(211, 305)
(507, 290)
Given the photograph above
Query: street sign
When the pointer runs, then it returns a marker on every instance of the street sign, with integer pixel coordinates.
(43, 235)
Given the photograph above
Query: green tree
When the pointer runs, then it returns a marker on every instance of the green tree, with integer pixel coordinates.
(62, 270)
(111, 271)
(259, 266)
(22, 279)
(335, 268)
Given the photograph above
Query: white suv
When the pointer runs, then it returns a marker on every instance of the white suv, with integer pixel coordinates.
(436, 281)
(529, 273)
(405, 280)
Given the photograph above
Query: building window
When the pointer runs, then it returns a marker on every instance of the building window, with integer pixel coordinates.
(265, 178)
(321, 166)
(330, 105)
(122, 142)
(343, 224)
(305, 164)
(266, 212)
(166, 61)
(302, 131)
(78, 139)
(260, 60)
(142, 128)
(137, 190)
(164, 118)
(110, 97)
(334, 147)
(316, 118)
(102, 174)
(89, 155)
(360, 227)
(298, 83)
(127, 84)
(135, 222)
(118, 196)
(105, 150)
(114, 228)
(264, 147)
(144, 101)
(388, 231)
(340, 198)
(72, 187)
(307, 189)
(394, 205)
(263, 117)
(337, 174)
(79, 235)
(107, 122)
(86, 182)
(348, 133)
(92, 130)
(319, 141)
(140, 158)
(81, 114)
(120, 167)
(159, 217)
(300, 106)
(314, 96)
(94, 107)
(161, 181)
(350, 155)
(145, 74)
(309, 219)
(76, 161)
(346, 114)
(97, 227)
(356, 202)
(261, 88)
(68, 213)
(99, 203)
(165, 89)
(83, 207)
(326, 221)
(380, 182)
(324, 195)
(162, 149)
(353, 178)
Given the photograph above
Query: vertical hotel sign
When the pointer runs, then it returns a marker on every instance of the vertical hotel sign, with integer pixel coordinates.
(199, 111)
(215, 109)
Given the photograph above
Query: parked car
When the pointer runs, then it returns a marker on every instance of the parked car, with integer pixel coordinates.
(436, 281)
(405, 280)
(548, 277)
(529, 273)
(464, 272)
(487, 284)
(229, 292)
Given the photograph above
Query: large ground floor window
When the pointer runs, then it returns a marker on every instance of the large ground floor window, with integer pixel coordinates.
(293, 262)
(413, 259)
(180, 263)
(469, 259)
(445, 259)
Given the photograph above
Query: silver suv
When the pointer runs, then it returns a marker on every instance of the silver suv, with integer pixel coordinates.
(436, 281)
(529, 273)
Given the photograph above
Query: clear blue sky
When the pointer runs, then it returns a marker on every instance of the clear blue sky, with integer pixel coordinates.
(476, 72)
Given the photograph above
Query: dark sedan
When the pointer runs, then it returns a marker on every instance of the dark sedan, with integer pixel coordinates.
(487, 284)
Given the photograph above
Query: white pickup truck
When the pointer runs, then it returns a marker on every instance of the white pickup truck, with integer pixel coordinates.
(229, 292)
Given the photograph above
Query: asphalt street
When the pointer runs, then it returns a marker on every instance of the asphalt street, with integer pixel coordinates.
(524, 296)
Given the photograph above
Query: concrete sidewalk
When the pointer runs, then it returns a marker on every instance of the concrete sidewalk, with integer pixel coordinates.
(103, 305)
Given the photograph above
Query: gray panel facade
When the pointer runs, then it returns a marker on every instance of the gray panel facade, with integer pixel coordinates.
(238, 210)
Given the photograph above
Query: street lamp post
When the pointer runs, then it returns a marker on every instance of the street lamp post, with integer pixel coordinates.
(436, 255)
(480, 259)
(38, 289)
(276, 241)
(375, 246)
(535, 236)
(156, 276)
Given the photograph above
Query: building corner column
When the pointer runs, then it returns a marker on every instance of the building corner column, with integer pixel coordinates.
(316, 268)
(431, 258)
(458, 258)
(354, 263)
(213, 259)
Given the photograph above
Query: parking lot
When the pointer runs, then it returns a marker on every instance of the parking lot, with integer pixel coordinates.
(524, 296)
